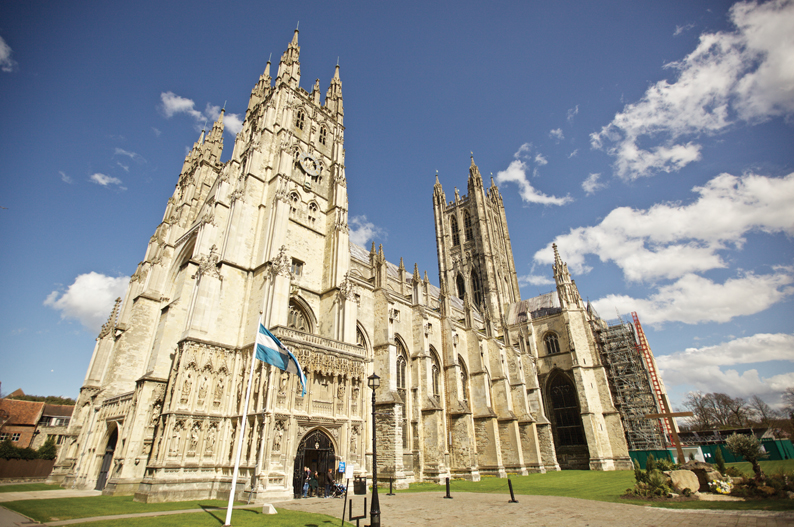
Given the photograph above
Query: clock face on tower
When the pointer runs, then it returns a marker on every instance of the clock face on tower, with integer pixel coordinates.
(309, 164)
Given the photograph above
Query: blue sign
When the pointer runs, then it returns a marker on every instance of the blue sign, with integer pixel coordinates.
(341, 466)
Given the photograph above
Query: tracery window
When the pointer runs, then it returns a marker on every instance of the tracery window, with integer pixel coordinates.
(323, 135)
(464, 379)
(294, 201)
(313, 210)
(552, 343)
(455, 234)
(402, 366)
(565, 406)
(300, 120)
(297, 318)
(477, 288)
(467, 226)
(435, 373)
(461, 287)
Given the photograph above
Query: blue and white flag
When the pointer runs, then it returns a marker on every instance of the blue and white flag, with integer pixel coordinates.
(270, 350)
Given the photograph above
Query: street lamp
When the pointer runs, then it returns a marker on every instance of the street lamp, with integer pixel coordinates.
(373, 381)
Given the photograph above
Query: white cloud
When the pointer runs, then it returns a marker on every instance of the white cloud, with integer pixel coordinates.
(105, 181)
(557, 134)
(523, 151)
(572, 113)
(362, 231)
(534, 279)
(573, 154)
(670, 240)
(705, 368)
(516, 173)
(693, 299)
(682, 29)
(592, 183)
(156, 131)
(89, 299)
(124, 167)
(173, 104)
(7, 64)
(131, 155)
(744, 75)
(65, 178)
(540, 160)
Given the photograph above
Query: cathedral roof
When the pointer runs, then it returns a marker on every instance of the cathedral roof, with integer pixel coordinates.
(536, 307)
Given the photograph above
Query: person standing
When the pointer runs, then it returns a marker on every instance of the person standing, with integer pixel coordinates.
(329, 482)
(306, 474)
(313, 485)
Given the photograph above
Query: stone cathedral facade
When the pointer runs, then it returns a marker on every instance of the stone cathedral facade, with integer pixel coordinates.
(473, 379)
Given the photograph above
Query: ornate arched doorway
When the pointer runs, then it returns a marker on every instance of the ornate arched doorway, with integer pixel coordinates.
(107, 459)
(316, 451)
(569, 437)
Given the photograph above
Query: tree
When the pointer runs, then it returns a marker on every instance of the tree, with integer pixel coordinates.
(699, 404)
(788, 401)
(762, 412)
(749, 447)
(48, 450)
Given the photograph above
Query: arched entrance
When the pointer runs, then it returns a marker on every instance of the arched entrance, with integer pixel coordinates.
(566, 418)
(107, 459)
(316, 451)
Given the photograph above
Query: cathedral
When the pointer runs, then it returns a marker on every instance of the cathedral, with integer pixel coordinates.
(474, 380)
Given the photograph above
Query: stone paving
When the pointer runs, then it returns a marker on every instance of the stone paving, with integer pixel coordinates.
(492, 510)
(482, 510)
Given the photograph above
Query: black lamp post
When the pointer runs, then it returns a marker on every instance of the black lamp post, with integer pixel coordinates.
(373, 381)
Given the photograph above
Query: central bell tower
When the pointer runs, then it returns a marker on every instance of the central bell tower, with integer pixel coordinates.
(475, 257)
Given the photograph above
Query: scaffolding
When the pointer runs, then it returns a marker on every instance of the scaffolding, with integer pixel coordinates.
(631, 384)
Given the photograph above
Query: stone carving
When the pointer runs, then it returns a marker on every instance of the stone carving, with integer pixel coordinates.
(202, 391)
(194, 439)
(187, 386)
(281, 264)
(353, 440)
(208, 264)
(209, 442)
(278, 435)
(218, 396)
(156, 409)
(236, 195)
(176, 436)
(347, 289)
(340, 390)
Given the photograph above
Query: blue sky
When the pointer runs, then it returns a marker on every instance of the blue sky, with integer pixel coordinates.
(653, 141)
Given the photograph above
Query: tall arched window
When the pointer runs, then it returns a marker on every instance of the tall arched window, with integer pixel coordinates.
(552, 343)
(455, 235)
(297, 318)
(567, 419)
(435, 373)
(402, 382)
(464, 380)
(300, 120)
(467, 226)
(461, 286)
(313, 211)
(323, 135)
(477, 288)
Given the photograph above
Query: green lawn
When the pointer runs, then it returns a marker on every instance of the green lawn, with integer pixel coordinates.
(28, 487)
(599, 486)
(69, 508)
(769, 467)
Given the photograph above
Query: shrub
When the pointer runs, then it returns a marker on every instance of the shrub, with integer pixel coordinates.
(749, 447)
(639, 475)
(720, 461)
(47, 450)
(650, 464)
(665, 464)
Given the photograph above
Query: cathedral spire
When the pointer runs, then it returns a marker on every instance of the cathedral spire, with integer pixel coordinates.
(289, 70)
(474, 174)
(333, 97)
(566, 288)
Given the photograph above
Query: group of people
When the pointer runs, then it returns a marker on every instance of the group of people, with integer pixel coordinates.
(317, 484)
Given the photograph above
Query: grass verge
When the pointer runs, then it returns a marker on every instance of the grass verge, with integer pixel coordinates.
(55, 509)
(28, 487)
(215, 518)
(594, 485)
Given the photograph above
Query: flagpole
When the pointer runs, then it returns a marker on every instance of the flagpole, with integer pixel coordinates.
(240, 441)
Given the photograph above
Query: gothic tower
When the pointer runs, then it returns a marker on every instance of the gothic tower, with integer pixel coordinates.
(475, 257)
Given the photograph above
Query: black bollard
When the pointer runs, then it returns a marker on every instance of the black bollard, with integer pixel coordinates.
(447, 497)
(512, 496)
(391, 481)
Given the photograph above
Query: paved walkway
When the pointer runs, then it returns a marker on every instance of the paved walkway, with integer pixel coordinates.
(470, 509)
(46, 494)
(493, 510)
